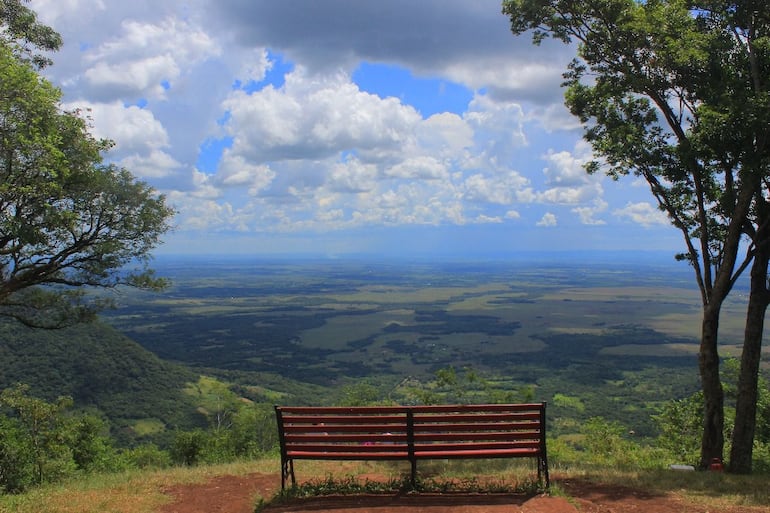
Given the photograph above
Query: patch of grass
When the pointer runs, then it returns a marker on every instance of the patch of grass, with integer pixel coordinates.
(715, 489)
(125, 492)
(149, 426)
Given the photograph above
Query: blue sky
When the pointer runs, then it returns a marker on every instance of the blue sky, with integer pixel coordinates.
(345, 126)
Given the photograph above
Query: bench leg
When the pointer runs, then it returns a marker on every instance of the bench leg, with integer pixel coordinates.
(414, 474)
(542, 472)
(287, 470)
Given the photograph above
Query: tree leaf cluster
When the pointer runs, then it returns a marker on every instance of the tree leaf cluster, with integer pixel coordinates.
(69, 220)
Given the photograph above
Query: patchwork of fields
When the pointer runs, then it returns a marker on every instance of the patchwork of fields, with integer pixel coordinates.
(574, 329)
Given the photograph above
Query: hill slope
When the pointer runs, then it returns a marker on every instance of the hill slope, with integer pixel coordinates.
(99, 368)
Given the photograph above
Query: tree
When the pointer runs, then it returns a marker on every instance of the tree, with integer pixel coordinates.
(675, 92)
(42, 430)
(23, 33)
(68, 220)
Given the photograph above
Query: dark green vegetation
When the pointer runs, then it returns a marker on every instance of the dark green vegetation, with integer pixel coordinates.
(102, 370)
(196, 369)
(606, 339)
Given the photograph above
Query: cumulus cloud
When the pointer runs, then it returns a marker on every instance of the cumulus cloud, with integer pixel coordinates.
(315, 117)
(547, 220)
(642, 213)
(235, 172)
(248, 115)
(145, 59)
(587, 214)
(500, 188)
(140, 139)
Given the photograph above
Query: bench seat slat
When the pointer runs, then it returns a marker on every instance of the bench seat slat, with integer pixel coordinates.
(497, 453)
(347, 428)
(477, 417)
(471, 447)
(344, 419)
(443, 408)
(342, 410)
(313, 455)
(326, 448)
(480, 426)
(505, 436)
(354, 438)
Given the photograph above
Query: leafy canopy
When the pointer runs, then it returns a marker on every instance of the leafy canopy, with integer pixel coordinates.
(68, 220)
(20, 31)
(674, 92)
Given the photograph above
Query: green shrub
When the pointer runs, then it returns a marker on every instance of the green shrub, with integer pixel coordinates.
(148, 456)
(188, 447)
(17, 463)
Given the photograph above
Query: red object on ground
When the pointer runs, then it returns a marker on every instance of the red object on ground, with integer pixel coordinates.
(716, 465)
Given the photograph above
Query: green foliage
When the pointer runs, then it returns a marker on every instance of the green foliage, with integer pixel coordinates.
(69, 220)
(91, 445)
(23, 33)
(99, 368)
(250, 432)
(188, 447)
(464, 386)
(571, 402)
(360, 394)
(42, 430)
(17, 469)
(147, 456)
(680, 423)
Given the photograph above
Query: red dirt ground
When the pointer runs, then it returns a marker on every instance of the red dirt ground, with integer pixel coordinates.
(231, 494)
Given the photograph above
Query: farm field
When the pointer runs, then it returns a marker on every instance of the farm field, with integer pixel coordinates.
(610, 338)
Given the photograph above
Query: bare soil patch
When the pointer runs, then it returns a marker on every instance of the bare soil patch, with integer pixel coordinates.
(239, 494)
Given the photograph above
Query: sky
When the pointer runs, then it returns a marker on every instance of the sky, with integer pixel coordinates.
(337, 127)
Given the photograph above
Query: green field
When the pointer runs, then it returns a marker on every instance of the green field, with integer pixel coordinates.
(620, 336)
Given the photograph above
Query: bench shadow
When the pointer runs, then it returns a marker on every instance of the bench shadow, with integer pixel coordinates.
(398, 500)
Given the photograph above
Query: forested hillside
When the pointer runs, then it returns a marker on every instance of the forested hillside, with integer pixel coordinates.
(99, 368)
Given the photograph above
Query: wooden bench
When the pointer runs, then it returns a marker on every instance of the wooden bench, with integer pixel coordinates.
(412, 433)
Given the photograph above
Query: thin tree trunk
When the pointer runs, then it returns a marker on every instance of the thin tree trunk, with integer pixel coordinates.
(746, 403)
(712, 442)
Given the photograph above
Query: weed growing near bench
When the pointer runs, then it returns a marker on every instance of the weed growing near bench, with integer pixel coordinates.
(350, 485)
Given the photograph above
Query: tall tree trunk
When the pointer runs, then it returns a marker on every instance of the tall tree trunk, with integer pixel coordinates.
(712, 442)
(746, 402)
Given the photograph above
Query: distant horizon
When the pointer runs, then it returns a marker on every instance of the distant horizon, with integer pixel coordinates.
(619, 257)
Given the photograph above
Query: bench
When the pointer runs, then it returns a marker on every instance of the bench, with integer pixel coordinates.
(411, 433)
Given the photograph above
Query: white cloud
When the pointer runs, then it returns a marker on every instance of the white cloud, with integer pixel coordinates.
(51, 11)
(312, 152)
(156, 164)
(134, 130)
(547, 220)
(444, 135)
(571, 195)
(419, 168)
(642, 213)
(588, 214)
(146, 58)
(500, 188)
(566, 180)
(234, 172)
(566, 169)
(536, 80)
(352, 176)
(316, 117)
